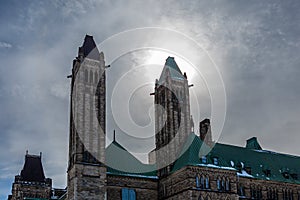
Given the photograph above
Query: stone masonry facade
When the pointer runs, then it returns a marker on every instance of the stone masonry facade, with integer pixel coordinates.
(88, 177)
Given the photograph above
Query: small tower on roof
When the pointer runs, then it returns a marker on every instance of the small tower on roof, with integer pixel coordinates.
(32, 181)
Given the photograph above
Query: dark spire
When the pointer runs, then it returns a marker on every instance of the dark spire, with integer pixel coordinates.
(33, 169)
(114, 135)
(89, 48)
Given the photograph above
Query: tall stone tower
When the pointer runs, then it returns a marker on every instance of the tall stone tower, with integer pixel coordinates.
(172, 115)
(86, 170)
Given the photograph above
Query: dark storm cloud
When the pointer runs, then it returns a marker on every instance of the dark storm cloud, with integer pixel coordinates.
(255, 44)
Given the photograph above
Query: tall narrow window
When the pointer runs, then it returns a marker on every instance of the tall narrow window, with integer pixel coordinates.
(86, 76)
(96, 78)
(198, 181)
(223, 184)
(202, 181)
(227, 184)
(218, 184)
(91, 77)
(207, 185)
(241, 190)
(131, 194)
(125, 194)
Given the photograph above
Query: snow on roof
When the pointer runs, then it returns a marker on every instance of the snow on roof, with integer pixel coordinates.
(244, 174)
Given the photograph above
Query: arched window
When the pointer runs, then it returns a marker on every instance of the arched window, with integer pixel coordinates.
(218, 183)
(202, 181)
(208, 198)
(223, 184)
(227, 184)
(198, 181)
(241, 190)
(200, 197)
(207, 185)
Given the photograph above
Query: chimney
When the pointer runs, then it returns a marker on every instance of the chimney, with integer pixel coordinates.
(205, 131)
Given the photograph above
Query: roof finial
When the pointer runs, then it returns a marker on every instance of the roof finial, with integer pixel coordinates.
(26, 152)
(114, 135)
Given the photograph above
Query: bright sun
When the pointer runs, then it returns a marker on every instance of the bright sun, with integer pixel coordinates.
(158, 57)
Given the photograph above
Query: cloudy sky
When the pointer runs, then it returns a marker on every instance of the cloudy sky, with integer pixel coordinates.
(253, 45)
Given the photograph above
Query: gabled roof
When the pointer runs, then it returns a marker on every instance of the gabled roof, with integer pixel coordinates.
(172, 68)
(264, 164)
(33, 169)
(89, 48)
(120, 162)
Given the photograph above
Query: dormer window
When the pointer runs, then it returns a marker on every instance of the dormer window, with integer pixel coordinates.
(216, 161)
(285, 175)
(204, 159)
(294, 176)
(267, 172)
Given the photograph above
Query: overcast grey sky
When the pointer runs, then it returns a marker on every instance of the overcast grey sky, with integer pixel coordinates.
(254, 44)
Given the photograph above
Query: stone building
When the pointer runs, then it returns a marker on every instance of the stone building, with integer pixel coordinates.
(31, 183)
(182, 166)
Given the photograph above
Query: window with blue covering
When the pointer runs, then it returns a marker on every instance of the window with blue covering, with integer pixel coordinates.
(207, 185)
(128, 194)
(197, 181)
(216, 161)
(218, 184)
(204, 159)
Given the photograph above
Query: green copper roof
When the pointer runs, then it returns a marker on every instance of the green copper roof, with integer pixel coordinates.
(193, 152)
(172, 68)
(121, 162)
(263, 164)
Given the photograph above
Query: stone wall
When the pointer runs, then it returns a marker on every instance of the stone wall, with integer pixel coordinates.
(266, 187)
(145, 188)
(29, 189)
(183, 183)
(86, 182)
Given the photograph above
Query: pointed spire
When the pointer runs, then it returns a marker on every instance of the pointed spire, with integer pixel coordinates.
(172, 70)
(114, 136)
(89, 48)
